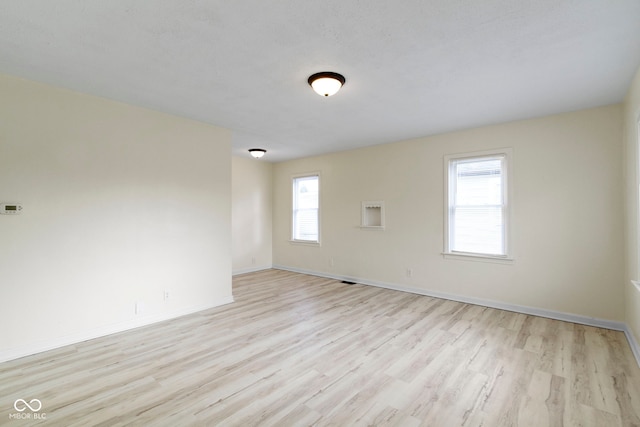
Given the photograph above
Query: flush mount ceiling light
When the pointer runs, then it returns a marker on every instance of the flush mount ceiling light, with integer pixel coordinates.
(326, 83)
(257, 152)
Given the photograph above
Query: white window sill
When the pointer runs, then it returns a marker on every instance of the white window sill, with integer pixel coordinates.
(478, 257)
(305, 242)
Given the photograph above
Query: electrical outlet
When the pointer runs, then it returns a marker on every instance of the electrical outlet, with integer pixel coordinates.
(332, 262)
(166, 295)
(140, 307)
(409, 272)
(253, 260)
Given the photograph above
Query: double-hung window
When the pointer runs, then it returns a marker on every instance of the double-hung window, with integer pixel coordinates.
(306, 204)
(477, 217)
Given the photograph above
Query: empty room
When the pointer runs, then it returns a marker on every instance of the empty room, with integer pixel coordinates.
(338, 213)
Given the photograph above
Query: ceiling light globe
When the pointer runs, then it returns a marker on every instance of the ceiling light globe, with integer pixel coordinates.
(326, 86)
(257, 152)
(326, 83)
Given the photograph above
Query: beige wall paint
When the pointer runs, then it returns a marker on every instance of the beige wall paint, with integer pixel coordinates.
(120, 204)
(631, 118)
(568, 215)
(251, 213)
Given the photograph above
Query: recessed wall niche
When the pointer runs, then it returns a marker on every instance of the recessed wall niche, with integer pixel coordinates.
(373, 215)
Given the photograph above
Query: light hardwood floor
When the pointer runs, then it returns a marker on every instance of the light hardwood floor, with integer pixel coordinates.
(297, 350)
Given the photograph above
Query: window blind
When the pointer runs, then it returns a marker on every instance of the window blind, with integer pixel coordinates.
(477, 206)
(305, 208)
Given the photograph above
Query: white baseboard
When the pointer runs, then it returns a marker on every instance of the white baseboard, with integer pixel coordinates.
(57, 342)
(540, 312)
(635, 348)
(250, 270)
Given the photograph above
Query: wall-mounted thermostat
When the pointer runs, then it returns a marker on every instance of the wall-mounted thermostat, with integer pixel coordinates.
(10, 208)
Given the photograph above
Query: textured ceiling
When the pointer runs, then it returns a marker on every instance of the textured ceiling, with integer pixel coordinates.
(413, 68)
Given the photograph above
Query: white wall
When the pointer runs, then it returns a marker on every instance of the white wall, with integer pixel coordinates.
(251, 213)
(120, 204)
(568, 227)
(632, 294)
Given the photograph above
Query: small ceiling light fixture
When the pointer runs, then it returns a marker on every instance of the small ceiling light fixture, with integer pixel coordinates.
(326, 83)
(257, 152)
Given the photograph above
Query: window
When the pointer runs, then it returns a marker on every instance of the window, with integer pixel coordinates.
(477, 218)
(306, 208)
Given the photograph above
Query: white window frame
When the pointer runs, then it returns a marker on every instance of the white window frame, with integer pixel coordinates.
(507, 208)
(293, 208)
(637, 173)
